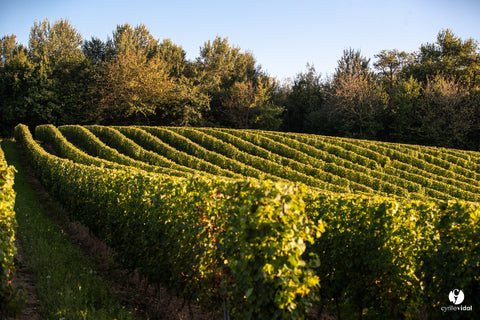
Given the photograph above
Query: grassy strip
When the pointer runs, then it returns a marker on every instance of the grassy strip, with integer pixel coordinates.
(66, 283)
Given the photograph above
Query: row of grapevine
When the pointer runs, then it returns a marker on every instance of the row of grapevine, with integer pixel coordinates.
(415, 174)
(458, 170)
(390, 259)
(301, 162)
(152, 143)
(390, 181)
(423, 161)
(316, 161)
(186, 145)
(176, 231)
(348, 169)
(465, 159)
(433, 184)
(112, 138)
(434, 181)
(110, 157)
(333, 164)
(234, 240)
(10, 300)
(276, 170)
(444, 180)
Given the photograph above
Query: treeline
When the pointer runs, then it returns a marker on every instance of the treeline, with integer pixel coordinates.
(431, 96)
(132, 78)
(428, 97)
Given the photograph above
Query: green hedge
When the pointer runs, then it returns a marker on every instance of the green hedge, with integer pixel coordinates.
(211, 240)
(254, 244)
(150, 142)
(108, 157)
(389, 259)
(11, 302)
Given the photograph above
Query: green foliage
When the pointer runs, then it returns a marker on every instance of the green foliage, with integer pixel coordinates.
(103, 156)
(452, 255)
(131, 86)
(66, 283)
(11, 300)
(430, 96)
(125, 146)
(189, 146)
(304, 101)
(388, 259)
(150, 142)
(356, 100)
(177, 232)
(253, 245)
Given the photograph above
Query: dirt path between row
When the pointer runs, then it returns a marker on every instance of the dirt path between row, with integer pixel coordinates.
(23, 279)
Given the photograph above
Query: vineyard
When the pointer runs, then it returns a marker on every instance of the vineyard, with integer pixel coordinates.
(269, 225)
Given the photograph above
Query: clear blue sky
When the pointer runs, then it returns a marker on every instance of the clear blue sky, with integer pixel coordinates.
(283, 35)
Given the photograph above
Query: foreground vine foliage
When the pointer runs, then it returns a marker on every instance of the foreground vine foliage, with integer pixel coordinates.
(346, 226)
(208, 239)
(11, 300)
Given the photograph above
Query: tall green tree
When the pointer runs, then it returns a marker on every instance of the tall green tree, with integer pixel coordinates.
(225, 74)
(264, 113)
(220, 65)
(96, 51)
(390, 63)
(55, 43)
(8, 48)
(60, 72)
(304, 106)
(449, 56)
(138, 38)
(131, 86)
(356, 102)
(401, 120)
(16, 74)
(175, 57)
(187, 102)
(352, 62)
(447, 116)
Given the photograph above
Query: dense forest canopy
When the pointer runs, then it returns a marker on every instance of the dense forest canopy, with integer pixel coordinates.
(431, 96)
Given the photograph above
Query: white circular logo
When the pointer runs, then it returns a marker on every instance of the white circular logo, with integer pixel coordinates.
(456, 296)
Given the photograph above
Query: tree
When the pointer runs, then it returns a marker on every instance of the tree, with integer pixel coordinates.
(16, 73)
(356, 102)
(131, 87)
(390, 63)
(96, 51)
(352, 62)
(185, 104)
(401, 119)
(225, 73)
(174, 56)
(305, 102)
(236, 104)
(263, 113)
(61, 74)
(126, 38)
(55, 43)
(450, 56)
(447, 114)
(217, 63)
(44, 84)
(9, 48)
